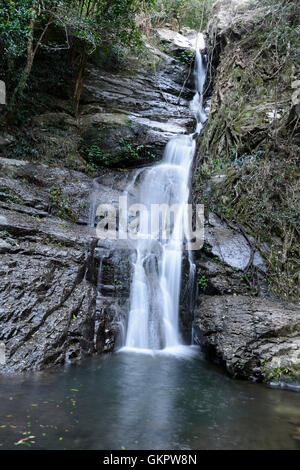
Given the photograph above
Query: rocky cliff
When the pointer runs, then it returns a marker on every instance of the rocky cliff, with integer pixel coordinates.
(64, 294)
(246, 176)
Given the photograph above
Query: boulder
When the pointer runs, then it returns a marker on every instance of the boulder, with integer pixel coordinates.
(253, 338)
(230, 245)
(178, 42)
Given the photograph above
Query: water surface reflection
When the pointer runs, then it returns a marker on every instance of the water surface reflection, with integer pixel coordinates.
(145, 402)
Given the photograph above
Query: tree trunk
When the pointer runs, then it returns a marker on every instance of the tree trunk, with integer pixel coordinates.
(79, 79)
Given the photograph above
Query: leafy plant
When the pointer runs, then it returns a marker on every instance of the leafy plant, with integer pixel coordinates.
(126, 153)
(202, 282)
(95, 156)
(59, 206)
(128, 150)
(277, 373)
(25, 26)
(7, 195)
(186, 56)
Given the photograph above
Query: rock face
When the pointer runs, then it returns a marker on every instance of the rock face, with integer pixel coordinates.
(226, 17)
(145, 109)
(178, 42)
(230, 245)
(64, 294)
(127, 113)
(5, 141)
(50, 312)
(254, 338)
(229, 262)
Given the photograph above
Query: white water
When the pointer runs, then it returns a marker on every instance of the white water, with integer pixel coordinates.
(153, 322)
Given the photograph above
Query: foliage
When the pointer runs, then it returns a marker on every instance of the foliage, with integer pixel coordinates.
(128, 150)
(94, 155)
(279, 373)
(59, 206)
(202, 282)
(24, 147)
(186, 56)
(14, 28)
(25, 27)
(8, 196)
(191, 13)
(125, 154)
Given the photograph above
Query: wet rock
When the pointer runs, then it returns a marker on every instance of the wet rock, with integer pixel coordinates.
(4, 246)
(179, 42)
(48, 272)
(55, 119)
(229, 245)
(254, 338)
(144, 109)
(114, 270)
(43, 304)
(220, 279)
(41, 191)
(42, 285)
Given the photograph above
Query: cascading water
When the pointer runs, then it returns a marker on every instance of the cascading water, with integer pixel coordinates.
(154, 298)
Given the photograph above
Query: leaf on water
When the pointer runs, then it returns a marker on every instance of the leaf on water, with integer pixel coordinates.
(26, 444)
(24, 441)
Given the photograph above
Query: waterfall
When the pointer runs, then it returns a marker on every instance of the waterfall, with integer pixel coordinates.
(153, 322)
